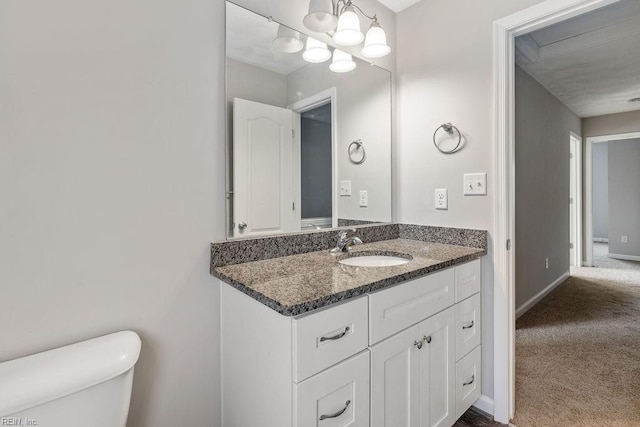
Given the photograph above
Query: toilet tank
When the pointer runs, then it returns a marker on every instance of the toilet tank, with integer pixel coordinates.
(87, 384)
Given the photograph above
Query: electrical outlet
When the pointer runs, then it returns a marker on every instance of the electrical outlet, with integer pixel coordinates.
(624, 239)
(364, 199)
(441, 199)
(345, 188)
(546, 263)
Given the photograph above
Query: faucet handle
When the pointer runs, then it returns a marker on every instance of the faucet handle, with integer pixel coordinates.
(344, 234)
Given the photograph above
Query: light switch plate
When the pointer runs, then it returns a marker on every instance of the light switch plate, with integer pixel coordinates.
(345, 188)
(442, 198)
(364, 198)
(475, 184)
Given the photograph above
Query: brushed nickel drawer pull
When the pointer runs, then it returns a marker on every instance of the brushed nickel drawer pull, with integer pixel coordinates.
(473, 378)
(418, 344)
(336, 337)
(337, 414)
(427, 339)
(469, 326)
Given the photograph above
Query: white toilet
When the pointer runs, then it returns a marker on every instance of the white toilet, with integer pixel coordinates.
(87, 384)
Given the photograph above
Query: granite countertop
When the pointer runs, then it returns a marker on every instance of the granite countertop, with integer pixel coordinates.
(296, 284)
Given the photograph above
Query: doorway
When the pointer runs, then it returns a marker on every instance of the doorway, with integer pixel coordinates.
(593, 144)
(315, 167)
(505, 32)
(319, 110)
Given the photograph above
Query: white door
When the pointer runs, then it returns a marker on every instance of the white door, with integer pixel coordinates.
(263, 169)
(574, 197)
(395, 381)
(437, 370)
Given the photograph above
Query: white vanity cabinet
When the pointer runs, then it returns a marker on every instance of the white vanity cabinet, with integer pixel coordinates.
(412, 375)
(408, 355)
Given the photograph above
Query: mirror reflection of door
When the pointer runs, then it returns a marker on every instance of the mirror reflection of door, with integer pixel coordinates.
(316, 195)
(263, 169)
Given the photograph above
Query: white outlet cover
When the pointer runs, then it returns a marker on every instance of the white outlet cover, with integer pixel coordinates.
(345, 188)
(441, 198)
(475, 184)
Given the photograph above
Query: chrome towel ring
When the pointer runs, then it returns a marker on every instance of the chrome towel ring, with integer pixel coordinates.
(359, 147)
(448, 128)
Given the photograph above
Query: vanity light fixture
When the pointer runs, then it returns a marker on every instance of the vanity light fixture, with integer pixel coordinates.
(375, 44)
(316, 51)
(325, 16)
(287, 40)
(348, 32)
(342, 62)
(321, 17)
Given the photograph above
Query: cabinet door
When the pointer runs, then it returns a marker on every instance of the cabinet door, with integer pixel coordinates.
(437, 370)
(395, 381)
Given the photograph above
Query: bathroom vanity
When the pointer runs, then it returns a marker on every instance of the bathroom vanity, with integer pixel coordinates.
(310, 341)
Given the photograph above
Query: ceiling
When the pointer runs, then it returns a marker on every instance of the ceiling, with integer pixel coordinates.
(249, 40)
(398, 5)
(590, 62)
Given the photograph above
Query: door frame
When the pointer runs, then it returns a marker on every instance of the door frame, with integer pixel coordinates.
(573, 137)
(505, 31)
(309, 103)
(588, 176)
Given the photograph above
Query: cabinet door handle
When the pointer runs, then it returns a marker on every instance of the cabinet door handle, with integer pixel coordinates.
(469, 326)
(336, 337)
(427, 339)
(418, 344)
(473, 378)
(337, 414)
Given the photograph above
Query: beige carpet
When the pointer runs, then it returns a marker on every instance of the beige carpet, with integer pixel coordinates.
(578, 353)
(601, 259)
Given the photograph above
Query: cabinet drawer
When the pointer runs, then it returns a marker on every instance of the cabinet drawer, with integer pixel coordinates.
(337, 397)
(392, 310)
(468, 326)
(468, 381)
(325, 338)
(467, 279)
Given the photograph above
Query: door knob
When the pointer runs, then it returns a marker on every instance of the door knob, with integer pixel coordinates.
(242, 225)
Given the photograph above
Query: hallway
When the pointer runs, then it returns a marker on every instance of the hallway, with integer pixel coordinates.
(578, 351)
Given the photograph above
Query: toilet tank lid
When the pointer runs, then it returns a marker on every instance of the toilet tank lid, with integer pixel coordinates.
(33, 380)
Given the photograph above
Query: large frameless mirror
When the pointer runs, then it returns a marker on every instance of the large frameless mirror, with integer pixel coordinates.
(308, 132)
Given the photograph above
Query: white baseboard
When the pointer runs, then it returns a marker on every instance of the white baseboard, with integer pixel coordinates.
(624, 257)
(543, 293)
(484, 404)
(601, 239)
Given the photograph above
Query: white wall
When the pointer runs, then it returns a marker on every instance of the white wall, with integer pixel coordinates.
(445, 74)
(255, 84)
(624, 197)
(543, 125)
(363, 110)
(611, 124)
(601, 190)
(112, 187)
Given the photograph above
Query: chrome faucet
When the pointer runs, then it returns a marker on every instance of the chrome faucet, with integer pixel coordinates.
(345, 242)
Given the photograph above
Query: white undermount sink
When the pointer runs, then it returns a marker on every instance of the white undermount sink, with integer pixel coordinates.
(374, 261)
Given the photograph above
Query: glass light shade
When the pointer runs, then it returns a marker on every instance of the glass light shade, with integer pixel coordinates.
(375, 44)
(316, 51)
(287, 40)
(348, 32)
(342, 62)
(320, 17)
